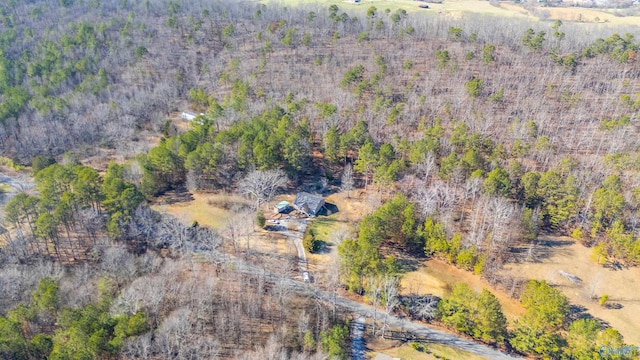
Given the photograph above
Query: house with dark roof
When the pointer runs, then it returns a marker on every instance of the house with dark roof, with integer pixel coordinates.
(308, 204)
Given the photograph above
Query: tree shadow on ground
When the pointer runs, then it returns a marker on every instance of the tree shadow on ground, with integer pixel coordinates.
(542, 249)
(409, 264)
(322, 247)
(577, 312)
(174, 196)
(615, 265)
(613, 306)
(275, 227)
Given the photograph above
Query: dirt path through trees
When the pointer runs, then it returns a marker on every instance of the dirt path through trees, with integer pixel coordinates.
(421, 330)
(296, 235)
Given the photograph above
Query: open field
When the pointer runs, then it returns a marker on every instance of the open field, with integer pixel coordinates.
(429, 351)
(477, 7)
(591, 16)
(562, 254)
(437, 278)
(212, 210)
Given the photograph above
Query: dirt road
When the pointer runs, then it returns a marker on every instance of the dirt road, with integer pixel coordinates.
(421, 330)
(296, 237)
(364, 311)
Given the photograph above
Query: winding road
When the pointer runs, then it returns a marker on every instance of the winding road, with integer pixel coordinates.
(365, 311)
(420, 329)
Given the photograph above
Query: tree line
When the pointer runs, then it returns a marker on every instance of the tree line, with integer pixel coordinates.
(545, 330)
(548, 328)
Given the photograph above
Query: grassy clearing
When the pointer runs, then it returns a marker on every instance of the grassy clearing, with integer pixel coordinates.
(428, 352)
(620, 284)
(323, 227)
(438, 278)
(349, 212)
(216, 210)
(591, 16)
(447, 7)
(211, 210)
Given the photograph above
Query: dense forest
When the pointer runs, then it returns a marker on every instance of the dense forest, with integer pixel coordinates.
(478, 134)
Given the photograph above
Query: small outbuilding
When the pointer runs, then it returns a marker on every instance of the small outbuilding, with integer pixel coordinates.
(188, 115)
(308, 204)
(282, 207)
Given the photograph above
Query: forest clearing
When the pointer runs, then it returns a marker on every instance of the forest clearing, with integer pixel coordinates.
(619, 283)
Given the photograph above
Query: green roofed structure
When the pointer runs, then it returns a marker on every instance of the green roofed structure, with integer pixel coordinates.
(282, 207)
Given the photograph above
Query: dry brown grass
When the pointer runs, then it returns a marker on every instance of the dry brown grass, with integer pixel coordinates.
(571, 14)
(568, 14)
(437, 277)
(591, 16)
(208, 209)
(621, 285)
(405, 351)
(272, 243)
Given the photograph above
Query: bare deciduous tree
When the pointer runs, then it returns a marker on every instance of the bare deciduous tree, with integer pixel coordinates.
(262, 185)
(239, 226)
(332, 275)
(347, 180)
(390, 294)
(374, 292)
